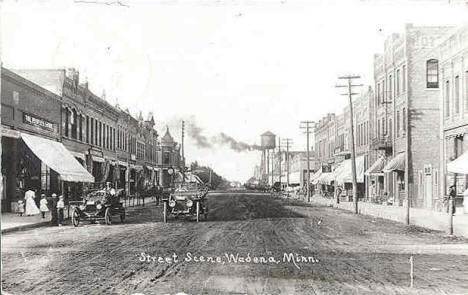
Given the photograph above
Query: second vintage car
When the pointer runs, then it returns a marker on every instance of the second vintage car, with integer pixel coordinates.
(187, 199)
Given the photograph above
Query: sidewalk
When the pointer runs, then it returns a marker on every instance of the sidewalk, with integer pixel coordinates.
(14, 222)
(420, 217)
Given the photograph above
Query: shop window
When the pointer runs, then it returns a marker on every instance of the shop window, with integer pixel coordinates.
(432, 73)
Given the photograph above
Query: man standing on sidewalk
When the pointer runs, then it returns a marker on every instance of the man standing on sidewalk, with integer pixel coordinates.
(60, 208)
(53, 209)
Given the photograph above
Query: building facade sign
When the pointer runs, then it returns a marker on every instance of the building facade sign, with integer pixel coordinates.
(39, 122)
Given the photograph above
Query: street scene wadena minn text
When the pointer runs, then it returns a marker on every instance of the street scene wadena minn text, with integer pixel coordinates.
(248, 258)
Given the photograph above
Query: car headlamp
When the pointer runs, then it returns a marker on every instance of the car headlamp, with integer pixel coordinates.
(98, 206)
(82, 207)
(189, 203)
(172, 203)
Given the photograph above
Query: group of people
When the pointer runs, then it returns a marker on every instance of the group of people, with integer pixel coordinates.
(31, 206)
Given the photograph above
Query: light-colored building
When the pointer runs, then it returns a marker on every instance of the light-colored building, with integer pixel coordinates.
(453, 84)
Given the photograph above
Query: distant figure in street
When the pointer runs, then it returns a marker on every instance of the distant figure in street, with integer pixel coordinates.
(53, 209)
(43, 206)
(338, 194)
(452, 196)
(20, 207)
(60, 208)
(31, 208)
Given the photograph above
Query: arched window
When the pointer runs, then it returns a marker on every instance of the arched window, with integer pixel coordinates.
(432, 73)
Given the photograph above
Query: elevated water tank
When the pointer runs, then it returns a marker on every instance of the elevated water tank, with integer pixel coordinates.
(268, 140)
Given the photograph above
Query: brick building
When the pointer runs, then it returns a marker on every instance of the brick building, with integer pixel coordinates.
(110, 143)
(452, 57)
(406, 113)
(33, 156)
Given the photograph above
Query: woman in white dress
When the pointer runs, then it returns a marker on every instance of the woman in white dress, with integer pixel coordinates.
(31, 208)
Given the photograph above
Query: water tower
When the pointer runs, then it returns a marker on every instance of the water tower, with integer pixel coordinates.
(268, 143)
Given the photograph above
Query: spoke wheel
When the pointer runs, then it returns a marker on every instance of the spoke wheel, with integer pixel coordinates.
(198, 211)
(164, 211)
(75, 218)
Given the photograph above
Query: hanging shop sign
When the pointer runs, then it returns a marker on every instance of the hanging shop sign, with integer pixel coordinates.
(38, 122)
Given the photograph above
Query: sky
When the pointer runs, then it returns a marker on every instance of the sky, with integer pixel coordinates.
(237, 68)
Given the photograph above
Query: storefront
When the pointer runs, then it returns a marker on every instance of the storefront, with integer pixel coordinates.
(376, 181)
(395, 179)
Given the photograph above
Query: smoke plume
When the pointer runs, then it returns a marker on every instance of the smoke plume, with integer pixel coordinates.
(238, 146)
(196, 136)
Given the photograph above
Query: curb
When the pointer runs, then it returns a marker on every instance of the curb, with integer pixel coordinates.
(26, 226)
(45, 223)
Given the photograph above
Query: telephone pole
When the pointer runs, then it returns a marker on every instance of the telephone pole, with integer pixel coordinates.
(307, 126)
(182, 151)
(279, 159)
(287, 142)
(350, 94)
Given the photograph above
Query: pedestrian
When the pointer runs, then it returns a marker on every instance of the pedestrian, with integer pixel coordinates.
(53, 209)
(452, 197)
(20, 207)
(60, 208)
(159, 192)
(43, 206)
(31, 208)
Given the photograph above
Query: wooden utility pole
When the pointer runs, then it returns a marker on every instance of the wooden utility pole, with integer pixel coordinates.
(182, 151)
(350, 94)
(279, 160)
(307, 125)
(287, 142)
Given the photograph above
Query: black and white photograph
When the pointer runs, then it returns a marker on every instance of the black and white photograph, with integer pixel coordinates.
(189, 147)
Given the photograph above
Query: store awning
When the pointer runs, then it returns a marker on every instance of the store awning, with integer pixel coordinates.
(295, 177)
(396, 164)
(459, 165)
(326, 178)
(344, 173)
(314, 177)
(58, 158)
(98, 159)
(376, 168)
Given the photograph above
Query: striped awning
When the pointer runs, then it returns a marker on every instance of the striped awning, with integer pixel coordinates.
(396, 164)
(344, 172)
(315, 176)
(377, 167)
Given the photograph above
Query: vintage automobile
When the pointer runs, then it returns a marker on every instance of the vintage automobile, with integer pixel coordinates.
(187, 199)
(99, 205)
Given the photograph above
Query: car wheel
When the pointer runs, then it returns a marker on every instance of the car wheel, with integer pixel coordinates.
(198, 211)
(107, 217)
(165, 212)
(75, 218)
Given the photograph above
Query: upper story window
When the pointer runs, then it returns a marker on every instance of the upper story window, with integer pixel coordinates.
(398, 81)
(432, 73)
(457, 95)
(390, 88)
(447, 98)
(403, 79)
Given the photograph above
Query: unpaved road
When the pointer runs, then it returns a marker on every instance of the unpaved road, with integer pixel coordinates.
(356, 254)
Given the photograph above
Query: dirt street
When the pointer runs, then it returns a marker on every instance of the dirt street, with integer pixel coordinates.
(283, 247)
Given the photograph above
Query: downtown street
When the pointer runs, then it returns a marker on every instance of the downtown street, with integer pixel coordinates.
(351, 254)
